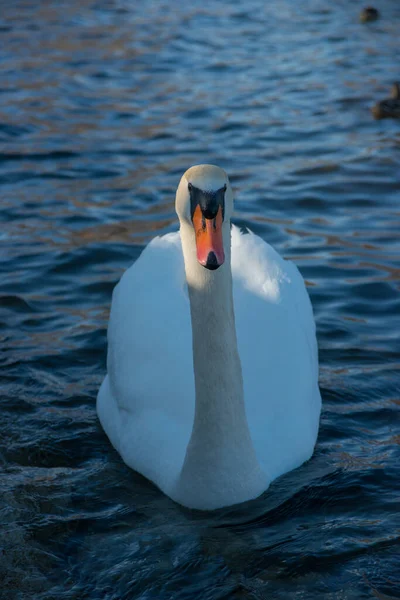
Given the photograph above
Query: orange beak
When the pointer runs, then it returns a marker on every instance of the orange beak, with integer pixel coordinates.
(209, 244)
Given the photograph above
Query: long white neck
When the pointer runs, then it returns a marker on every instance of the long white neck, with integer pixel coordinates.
(220, 458)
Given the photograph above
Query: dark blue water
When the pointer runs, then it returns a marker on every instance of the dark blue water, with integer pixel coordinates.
(103, 105)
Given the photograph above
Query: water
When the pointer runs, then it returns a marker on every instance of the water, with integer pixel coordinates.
(103, 105)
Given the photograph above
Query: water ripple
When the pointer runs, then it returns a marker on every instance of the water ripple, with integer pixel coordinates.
(103, 105)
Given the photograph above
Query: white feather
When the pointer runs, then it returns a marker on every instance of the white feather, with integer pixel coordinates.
(146, 402)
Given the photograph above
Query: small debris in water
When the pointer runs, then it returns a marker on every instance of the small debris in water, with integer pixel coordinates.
(369, 14)
(390, 107)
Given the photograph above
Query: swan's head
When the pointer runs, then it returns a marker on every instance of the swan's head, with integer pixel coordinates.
(204, 201)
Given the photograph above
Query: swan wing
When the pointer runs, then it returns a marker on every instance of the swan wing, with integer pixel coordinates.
(146, 402)
(278, 350)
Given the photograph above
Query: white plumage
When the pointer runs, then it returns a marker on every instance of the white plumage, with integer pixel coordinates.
(146, 403)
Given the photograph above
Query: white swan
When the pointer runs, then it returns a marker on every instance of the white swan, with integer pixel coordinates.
(174, 403)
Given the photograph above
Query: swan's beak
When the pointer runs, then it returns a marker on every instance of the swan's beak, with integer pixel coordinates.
(209, 243)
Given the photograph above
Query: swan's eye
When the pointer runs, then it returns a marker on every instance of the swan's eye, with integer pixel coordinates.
(190, 187)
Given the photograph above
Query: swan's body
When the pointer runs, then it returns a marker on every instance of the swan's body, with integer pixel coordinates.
(173, 403)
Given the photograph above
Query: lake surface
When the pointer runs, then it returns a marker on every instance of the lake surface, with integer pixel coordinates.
(103, 105)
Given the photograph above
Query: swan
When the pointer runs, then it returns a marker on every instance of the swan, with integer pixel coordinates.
(211, 389)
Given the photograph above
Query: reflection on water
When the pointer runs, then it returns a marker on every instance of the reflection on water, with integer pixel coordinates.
(103, 105)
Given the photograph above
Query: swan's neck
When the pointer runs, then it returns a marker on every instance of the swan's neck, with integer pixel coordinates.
(220, 451)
